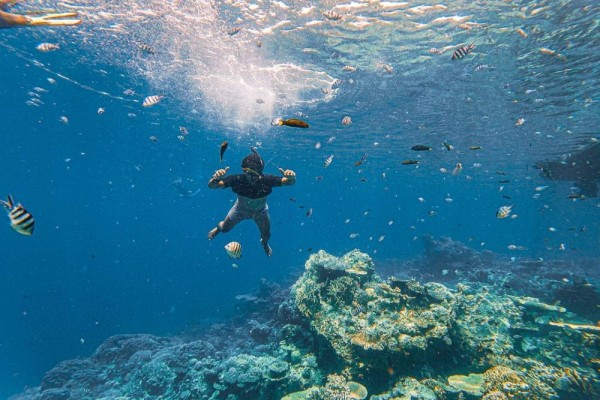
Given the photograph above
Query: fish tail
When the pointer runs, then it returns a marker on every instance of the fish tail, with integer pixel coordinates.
(9, 203)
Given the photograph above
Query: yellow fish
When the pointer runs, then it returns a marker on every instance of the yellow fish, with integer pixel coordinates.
(234, 249)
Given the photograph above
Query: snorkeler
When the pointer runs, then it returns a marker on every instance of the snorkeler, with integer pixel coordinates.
(252, 189)
(10, 20)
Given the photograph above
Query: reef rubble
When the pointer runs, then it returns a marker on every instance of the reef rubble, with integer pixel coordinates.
(344, 332)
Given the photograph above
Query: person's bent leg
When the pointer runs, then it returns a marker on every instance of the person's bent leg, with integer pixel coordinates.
(234, 216)
(264, 226)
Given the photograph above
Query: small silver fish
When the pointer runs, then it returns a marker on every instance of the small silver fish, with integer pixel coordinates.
(328, 161)
(46, 47)
(234, 249)
(457, 169)
(481, 67)
(20, 219)
(503, 211)
(346, 120)
(435, 50)
(152, 100)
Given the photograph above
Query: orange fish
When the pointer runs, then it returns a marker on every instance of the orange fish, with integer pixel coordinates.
(293, 122)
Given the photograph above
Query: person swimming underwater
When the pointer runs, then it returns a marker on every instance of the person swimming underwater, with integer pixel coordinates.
(10, 20)
(252, 188)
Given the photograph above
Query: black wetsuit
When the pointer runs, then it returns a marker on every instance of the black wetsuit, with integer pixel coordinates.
(252, 192)
(251, 186)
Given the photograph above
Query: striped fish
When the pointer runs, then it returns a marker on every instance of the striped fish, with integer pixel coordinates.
(234, 249)
(503, 211)
(332, 15)
(20, 220)
(146, 48)
(462, 51)
(328, 161)
(434, 50)
(152, 100)
(45, 47)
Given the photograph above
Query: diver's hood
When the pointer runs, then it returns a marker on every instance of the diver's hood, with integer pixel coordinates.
(253, 162)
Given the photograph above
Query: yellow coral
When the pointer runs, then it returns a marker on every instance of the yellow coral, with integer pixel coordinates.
(506, 380)
(496, 376)
(495, 395)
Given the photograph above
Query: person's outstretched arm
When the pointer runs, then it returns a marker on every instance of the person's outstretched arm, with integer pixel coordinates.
(289, 177)
(215, 182)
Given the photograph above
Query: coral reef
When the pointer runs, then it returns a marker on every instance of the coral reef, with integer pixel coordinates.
(399, 338)
(252, 357)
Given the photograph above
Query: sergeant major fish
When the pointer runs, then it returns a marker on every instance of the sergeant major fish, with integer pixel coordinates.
(46, 47)
(20, 219)
(503, 211)
(462, 51)
(328, 161)
(332, 15)
(146, 48)
(152, 100)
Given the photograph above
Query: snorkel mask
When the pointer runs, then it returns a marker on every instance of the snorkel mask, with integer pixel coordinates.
(253, 163)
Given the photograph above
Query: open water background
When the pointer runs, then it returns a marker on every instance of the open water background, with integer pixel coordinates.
(117, 249)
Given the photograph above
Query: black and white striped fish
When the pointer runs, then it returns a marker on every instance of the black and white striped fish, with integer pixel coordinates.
(462, 51)
(20, 219)
(46, 47)
(151, 100)
(146, 48)
(332, 15)
(328, 161)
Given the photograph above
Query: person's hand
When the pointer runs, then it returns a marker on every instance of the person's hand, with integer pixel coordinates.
(57, 19)
(219, 173)
(288, 173)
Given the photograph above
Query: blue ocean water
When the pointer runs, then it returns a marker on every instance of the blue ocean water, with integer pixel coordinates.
(117, 248)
